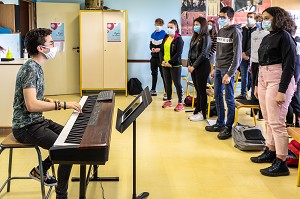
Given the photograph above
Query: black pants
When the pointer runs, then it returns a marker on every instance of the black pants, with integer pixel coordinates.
(254, 76)
(155, 64)
(199, 77)
(294, 107)
(44, 134)
(173, 74)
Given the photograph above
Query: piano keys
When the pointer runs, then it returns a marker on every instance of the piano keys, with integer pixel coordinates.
(85, 139)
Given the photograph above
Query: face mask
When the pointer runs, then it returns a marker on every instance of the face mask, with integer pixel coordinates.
(51, 54)
(197, 29)
(222, 22)
(266, 25)
(250, 21)
(158, 28)
(258, 25)
(209, 27)
(170, 31)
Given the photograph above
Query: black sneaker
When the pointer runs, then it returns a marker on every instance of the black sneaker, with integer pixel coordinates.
(225, 133)
(48, 180)
(267, 156)
(278, 168)
(242, 97)
(153, 93)
(214, 128)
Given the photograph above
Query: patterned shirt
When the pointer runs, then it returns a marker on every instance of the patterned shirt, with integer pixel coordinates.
(30, 75)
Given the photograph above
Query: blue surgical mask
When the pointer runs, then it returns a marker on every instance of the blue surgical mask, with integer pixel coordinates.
(258, 25)
(250, 21)
(197, 29)
(209, 27)
(222, 22)
(170, 31)
(266, 25)
(158, 28)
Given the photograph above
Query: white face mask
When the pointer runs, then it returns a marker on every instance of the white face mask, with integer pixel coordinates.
(51, 54)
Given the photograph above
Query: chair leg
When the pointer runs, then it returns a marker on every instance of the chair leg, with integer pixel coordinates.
(41, 170)
(9, 168)
(208, 108)
(236, 116)
(254, 118)
(298, 177)
(193, 99)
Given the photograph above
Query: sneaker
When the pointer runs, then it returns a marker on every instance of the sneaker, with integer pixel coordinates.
(267, 156)
(191, 115)
(153, 93)
(278, 168)
(167, 104)
(48, 180)
(196, 117)
(225, 133)
(242, 97)
(214, 128)
(165, 98)
(179, 107)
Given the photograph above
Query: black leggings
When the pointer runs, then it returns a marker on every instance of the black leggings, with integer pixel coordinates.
(44, 134)
(155, 65)
(199, 77)
(173, 74)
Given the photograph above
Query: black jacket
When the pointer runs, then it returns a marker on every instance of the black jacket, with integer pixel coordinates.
(246, 43)
(176, 50)
(199, 50)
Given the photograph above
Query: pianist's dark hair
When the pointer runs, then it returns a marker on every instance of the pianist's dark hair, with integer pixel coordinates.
(34, 38)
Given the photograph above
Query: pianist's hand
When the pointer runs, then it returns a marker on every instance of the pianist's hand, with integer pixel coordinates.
(74, 105)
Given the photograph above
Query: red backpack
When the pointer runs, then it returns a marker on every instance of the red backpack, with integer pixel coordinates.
(292, 159)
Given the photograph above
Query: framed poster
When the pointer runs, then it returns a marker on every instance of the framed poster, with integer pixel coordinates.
(113, 32)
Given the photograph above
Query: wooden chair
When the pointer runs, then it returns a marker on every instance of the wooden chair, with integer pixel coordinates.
(210, 97)
(11, 143)
(245, 104)
(295, 134)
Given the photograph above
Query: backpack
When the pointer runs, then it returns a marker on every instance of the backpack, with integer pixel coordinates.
(248, 138)
(188, 100)
(292, 158)
(134, 86)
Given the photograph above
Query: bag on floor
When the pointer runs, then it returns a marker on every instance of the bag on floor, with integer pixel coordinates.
(213, 109)
(134, 86)
(248, 138)
(188, 100)
(292, 158)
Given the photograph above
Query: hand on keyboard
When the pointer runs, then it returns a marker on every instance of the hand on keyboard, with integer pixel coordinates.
(74, 105)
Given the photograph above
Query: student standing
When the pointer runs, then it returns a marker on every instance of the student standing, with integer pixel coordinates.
(170, 56)
(228, 58)
(199, 66)
(156, 39)
(276, 86)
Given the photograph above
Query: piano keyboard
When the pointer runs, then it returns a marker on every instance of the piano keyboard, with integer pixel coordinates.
(74, 129)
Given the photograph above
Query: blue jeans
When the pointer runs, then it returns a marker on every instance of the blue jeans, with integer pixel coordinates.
(244, 76)
(229, 97)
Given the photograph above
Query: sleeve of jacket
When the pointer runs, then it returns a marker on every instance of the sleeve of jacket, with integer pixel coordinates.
(237, 53)
(288, 53)
(161, 52)
(204, 51)
(179, 48)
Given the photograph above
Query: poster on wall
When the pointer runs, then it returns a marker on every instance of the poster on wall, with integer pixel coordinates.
(242, 7)
(58, 35)
(296, 16)
(113, 32)
(190, 10)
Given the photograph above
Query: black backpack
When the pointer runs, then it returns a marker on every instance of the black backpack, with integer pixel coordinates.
(134, 86)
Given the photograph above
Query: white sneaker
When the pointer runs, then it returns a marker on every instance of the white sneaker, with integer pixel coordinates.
(191, 115)
(197, 117)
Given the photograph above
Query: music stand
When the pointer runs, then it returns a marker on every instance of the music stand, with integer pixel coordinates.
(125, 119)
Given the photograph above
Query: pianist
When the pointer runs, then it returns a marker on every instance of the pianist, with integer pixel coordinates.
(28, 124)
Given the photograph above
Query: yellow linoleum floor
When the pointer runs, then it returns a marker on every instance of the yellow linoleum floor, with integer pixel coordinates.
(176, 159)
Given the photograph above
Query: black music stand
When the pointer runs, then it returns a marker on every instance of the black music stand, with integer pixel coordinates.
(124, 120)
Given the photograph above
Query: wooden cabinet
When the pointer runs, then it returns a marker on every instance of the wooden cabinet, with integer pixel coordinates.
(103, 50)
(10, 17)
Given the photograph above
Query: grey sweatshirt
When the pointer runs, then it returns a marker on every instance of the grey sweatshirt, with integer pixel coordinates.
(229, 49)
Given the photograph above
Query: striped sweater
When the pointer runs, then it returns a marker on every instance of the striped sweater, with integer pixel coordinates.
(213, 45)
(156, 41)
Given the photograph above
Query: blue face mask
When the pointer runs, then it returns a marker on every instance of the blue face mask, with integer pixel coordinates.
(266, 25)
(222, 22)
(250, 21)
(170, 31)
(197, 29)
(258, 25)
(209, 27)
(158, 28)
